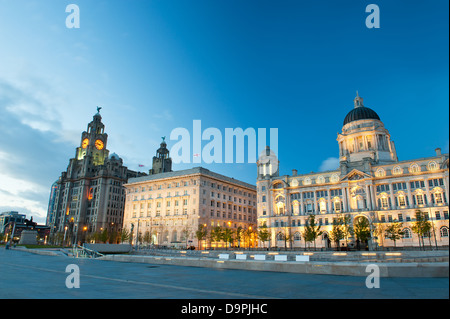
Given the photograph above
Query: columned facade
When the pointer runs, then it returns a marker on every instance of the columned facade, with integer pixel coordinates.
(370, 182)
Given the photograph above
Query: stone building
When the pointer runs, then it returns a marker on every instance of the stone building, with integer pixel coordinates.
(170, 206)
(370, 183)
(89, 196)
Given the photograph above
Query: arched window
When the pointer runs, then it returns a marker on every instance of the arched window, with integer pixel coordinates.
(437, 195)
(444, 231)
(414, 168)
(322, 205)
(334, 178)
(397, 170)
(307, 181)
(401, 199)
(280, 236)
(297, 236)
(406, 233)
(296, 207)
(432, 166)
(380, 172)
(320, 180)
(337, 203)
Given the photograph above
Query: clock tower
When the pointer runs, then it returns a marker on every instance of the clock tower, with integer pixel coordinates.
(90, 196)
(93, 141)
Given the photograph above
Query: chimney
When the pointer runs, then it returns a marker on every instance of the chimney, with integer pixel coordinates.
(294, 172)
(438, 151)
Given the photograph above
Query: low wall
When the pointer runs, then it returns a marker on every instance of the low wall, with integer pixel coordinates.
(109, 248)
(437, 269)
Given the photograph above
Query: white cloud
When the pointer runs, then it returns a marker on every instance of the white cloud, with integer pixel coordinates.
(331, 163)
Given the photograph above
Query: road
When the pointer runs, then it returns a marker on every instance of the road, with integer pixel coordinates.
(26, 276)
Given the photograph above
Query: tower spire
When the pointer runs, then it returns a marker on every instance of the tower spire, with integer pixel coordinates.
(358, 101)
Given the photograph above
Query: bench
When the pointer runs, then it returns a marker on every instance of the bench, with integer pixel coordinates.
(301, 258)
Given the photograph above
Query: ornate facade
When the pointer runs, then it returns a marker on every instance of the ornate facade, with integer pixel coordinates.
(167, 208)
(370, 182)
(89, 196)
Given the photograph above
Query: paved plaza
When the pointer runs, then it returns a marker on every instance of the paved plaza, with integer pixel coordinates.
(27, 275)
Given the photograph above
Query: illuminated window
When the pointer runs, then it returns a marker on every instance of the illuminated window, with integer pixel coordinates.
(414, 168)
(380, 172)
(384, 202)
(432, 166)
(334, 178)
(320, 180)
(401, 200)
(307, 181)
(337, 206)
(438, 198)
(323, 205)
(419, 199)
(407, 233)
(397, 170)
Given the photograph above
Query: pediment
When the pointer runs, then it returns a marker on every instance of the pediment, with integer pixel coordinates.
(355, 175)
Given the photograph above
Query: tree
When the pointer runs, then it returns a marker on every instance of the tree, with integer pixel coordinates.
(104, 236)
(312, 231)
(379, 232)
(337, 232)
(227, 236)
(263, 234)
(394, 231)
(186, 232)
(361, 228)
(216, 234)
(147, 237)
(201, 233)
(124, 235)
(347, 227)
(421, 226)
(286, 237)
(238, 235)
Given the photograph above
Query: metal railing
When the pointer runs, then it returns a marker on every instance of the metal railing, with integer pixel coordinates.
(83, 252)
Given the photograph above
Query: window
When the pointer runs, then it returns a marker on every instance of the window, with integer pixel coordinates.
(264, 199)
(397, 170)
(337, 206)
(323, 206)
(380, 172)
(432, 166)
(401, 200)
(438, 198)
(414, 168)
(406, 233)
(444, 231)
(384, 202)
(419, 199)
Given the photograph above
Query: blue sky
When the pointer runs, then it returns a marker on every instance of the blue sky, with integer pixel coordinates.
(157, 65)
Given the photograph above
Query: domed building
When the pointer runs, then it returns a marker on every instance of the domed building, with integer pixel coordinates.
(370, 184)
(364, 138)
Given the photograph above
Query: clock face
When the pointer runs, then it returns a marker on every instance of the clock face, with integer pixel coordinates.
(99, 144)
(85, 143)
